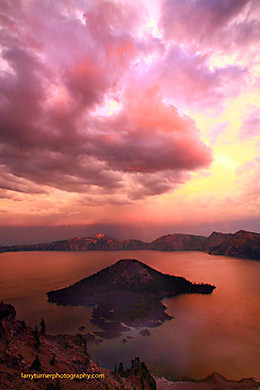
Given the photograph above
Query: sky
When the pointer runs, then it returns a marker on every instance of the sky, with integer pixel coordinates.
(135, 119)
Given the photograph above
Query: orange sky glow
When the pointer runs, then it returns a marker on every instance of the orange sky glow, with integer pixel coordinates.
(134, 118)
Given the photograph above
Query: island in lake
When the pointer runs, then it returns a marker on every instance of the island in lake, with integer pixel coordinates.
(126, 294)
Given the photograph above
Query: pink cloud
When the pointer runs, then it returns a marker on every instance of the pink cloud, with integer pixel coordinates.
(251, 125)
(185, 77)
(207, 23)
(61, 67)
(149, 136)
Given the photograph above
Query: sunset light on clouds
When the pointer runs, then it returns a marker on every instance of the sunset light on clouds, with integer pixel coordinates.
(133, 118)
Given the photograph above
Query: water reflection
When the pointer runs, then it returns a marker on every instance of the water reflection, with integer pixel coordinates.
(219, 332)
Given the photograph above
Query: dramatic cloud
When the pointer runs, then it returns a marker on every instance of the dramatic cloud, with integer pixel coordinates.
(186, 79)
(61, 63)
(149, 136)
(112, 108)
(223, 23)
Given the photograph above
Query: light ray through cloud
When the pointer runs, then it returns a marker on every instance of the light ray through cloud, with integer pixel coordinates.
(115, 110)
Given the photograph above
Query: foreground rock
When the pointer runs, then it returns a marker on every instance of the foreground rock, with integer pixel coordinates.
(22, 350)
(127, 294)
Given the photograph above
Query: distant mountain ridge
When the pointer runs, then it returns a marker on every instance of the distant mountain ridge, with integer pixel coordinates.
(99, 242)
(179, 242)
(240, 244)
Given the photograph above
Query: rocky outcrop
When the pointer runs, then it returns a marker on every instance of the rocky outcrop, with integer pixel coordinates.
(7, 313)
(215, 239)
(20, 358)
(179, 242)
(7, 317)
(138, 374)
(60, 354)
(240, 244)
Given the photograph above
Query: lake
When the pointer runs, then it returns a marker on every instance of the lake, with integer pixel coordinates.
(210, 333)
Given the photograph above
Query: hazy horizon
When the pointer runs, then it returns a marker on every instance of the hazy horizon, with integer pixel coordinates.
(13, 236)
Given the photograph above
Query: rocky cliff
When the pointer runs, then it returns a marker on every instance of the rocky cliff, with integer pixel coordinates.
(179, 242)
(215, 239)
(25, 352)
(30, 360)
(240, 244)
(97, 242)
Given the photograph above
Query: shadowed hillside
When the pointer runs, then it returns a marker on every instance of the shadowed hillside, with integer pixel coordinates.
(126, 275)
(241, 244)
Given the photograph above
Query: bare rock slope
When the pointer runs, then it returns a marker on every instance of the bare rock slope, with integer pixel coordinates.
(240, 244)
(25, 352)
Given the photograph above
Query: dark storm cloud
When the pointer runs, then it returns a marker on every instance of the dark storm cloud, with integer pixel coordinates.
(57, 68)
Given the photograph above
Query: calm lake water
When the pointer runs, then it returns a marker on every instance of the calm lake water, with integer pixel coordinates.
(218, 332)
